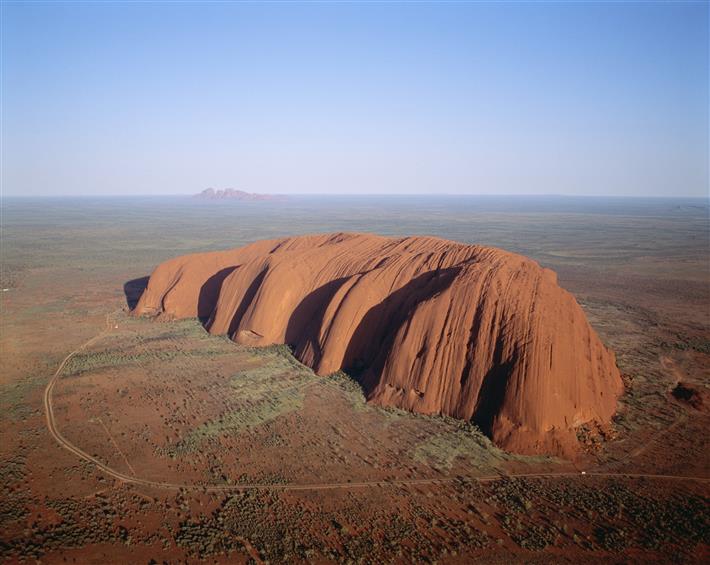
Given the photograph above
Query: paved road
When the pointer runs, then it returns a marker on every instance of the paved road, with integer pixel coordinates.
(135, 480)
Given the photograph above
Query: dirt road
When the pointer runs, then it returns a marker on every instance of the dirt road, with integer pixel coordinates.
(135, 480)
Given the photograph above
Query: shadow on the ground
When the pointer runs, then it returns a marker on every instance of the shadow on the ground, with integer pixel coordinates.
(133, 290)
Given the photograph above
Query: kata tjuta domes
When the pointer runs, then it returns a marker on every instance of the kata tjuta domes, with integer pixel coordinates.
(428, 325)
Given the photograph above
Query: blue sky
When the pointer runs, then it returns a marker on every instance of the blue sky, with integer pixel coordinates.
(482, 98)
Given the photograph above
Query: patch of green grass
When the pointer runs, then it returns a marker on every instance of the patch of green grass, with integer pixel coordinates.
(688, 343)
(85, 362)
(236, 421)
(95, 360)
(462, 440)
(187, 338)
(260, 395)
(350, 387)
(13, 397)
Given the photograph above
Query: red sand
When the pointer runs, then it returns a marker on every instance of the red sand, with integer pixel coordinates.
(431, 325)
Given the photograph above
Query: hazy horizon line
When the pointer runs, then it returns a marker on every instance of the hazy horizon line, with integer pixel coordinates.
(369, 195)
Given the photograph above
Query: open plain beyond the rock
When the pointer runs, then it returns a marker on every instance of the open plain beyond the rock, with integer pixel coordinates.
(131, 439)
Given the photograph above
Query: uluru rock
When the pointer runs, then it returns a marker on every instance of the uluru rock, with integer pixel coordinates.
(427, 325)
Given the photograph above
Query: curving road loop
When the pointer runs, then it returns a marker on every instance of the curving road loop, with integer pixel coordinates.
(135, 480)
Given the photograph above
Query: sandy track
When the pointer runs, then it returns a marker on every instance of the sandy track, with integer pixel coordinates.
(135, 480)
(118, 449)
(669, 365)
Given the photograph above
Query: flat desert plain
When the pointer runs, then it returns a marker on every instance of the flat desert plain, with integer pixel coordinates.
(126, 439)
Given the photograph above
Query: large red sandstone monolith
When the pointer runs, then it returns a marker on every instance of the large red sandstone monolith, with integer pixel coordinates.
(428, 325)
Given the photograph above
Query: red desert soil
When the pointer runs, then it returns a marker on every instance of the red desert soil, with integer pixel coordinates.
(429, 325)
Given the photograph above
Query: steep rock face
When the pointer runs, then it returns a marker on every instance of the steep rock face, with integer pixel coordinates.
(428, 325)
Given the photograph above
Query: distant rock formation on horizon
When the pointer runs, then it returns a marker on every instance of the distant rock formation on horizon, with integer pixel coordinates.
(425, 324)
(234, 194)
